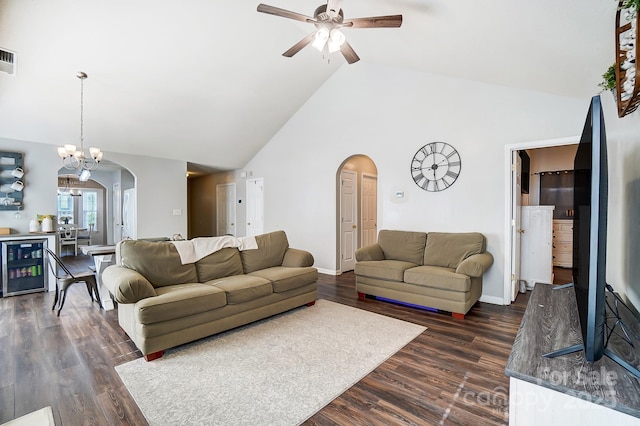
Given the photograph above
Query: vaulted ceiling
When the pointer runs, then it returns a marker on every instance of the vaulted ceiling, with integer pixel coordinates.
(205, 81)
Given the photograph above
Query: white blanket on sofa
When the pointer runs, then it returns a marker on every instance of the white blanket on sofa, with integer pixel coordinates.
(191, 251)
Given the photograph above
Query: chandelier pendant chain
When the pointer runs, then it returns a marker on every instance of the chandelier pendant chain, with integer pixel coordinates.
(73, 159)
(82, 76)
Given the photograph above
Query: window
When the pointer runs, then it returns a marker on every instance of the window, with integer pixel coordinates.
(65, 207)
(89, 208)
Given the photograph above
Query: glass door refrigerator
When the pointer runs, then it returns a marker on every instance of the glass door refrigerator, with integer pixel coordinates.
(23, 267)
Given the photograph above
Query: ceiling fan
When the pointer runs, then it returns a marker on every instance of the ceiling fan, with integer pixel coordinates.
(329, 20)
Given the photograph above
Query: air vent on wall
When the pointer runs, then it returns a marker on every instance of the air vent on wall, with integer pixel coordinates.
(7, 61)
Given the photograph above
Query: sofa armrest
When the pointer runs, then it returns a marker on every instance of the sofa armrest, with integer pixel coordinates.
(370, 252)
(127, 285)
(296, 258)
(475, 265)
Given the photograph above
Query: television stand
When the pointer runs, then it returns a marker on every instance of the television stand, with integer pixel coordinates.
(564, 389)
(615, 311)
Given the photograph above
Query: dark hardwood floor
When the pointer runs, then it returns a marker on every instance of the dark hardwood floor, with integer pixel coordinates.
(453, 373)
(562, 275)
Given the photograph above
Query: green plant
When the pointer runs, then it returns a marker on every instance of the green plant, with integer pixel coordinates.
(609, 77)
(632, 3)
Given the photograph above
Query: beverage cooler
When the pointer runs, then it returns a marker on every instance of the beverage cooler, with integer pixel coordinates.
(23, 267)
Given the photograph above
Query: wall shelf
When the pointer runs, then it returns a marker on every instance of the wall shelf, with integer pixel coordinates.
(10, 200)
(627, 91)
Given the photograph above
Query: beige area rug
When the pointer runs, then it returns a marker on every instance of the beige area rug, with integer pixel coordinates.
(279, 371)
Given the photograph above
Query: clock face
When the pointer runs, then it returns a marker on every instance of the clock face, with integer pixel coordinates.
(436, 166)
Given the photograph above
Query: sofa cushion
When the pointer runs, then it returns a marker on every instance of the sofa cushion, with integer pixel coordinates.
(158, 262)
(449, 249)
(222, 263)
(270, 252)
(403, 245)
(437, 277)
(177, 301)
(285, 279)
(392, 270)
(243, 288)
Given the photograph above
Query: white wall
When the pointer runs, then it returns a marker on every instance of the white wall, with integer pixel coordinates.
(623, 230)
(388, 114)
(161, 188)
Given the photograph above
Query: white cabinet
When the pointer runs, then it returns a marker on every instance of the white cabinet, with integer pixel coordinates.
(536, 242)
(563, 243)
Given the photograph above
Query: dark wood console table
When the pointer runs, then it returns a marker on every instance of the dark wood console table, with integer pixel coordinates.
(566, 389)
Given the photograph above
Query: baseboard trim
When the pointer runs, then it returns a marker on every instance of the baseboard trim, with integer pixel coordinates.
(327, 271)
(492, 299)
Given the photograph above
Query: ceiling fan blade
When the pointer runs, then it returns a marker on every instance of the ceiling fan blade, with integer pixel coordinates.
(389, 21)
(348, 53)
(272, 10)
(299, 45)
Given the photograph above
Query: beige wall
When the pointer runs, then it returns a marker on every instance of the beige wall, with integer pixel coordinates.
(202, 203)
(548, 160)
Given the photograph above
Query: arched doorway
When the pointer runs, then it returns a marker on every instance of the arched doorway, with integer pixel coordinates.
(100, 201)
(357, 212)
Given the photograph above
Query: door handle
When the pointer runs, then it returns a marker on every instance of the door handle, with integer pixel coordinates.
(353, 226)
(249, 223)
(521, 231)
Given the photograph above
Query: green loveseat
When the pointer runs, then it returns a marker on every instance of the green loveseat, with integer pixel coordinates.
(163, 303)
(436, 269)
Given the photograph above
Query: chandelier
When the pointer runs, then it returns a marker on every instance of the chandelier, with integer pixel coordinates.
(73, 159)
(67, 189)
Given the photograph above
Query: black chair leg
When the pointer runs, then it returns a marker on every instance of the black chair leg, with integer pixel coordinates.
(55, 299)
(89, 289)
(64, 297)
(95, 290)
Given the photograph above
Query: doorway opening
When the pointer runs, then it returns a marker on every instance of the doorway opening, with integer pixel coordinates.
(515, 197)
(97, 204)
(357, 208)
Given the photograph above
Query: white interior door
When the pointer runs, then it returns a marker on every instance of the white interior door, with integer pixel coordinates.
(255, 206)
(226, 209)
(348, 219)
(369, 231)
(516, 226)
(129, 214)
(117, 213)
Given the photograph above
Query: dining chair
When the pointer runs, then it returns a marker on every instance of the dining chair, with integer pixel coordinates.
(68, 237)
(64, 279)
(82, 237)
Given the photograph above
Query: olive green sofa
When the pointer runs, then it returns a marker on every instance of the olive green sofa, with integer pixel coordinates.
(438, 270)
(163, 303)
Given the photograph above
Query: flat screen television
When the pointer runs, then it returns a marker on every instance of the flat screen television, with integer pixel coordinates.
(590, 193)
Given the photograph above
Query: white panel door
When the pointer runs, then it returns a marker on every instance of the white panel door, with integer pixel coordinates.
(117, 213)
(516, 227)
(226, 208)
(369, 210)
(129, 214)
(348, 219)
(255, 206)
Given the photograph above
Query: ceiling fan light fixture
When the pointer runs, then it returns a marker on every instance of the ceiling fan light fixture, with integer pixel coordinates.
(322, 35)
(336, 39)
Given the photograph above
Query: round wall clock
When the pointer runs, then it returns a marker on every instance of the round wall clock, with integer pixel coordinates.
(435, 166)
